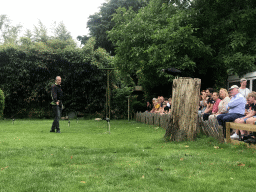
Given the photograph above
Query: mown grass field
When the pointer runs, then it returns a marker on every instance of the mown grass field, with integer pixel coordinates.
(134, 157)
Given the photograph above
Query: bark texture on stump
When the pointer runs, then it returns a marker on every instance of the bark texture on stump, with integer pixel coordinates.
(184, 112)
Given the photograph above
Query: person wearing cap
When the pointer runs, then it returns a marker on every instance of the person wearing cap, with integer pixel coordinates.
(243, 89)
(249, 117)
(236, 108)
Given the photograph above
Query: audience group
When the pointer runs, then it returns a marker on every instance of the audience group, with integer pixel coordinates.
(236, 105)
(159, 105)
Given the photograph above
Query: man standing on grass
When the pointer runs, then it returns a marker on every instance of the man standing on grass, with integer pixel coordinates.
(235, 107)
(56, 103)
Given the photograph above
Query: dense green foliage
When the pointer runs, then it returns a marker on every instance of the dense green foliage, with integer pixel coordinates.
(2, 103)
(197, 37)
(227, 27)
(99, 23)
(29, 65)
(27, 73)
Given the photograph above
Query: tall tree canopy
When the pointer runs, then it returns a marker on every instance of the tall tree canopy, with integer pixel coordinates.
(99, 23)
(197, 36)
(8, 32)
(157, 37)
(228, 28)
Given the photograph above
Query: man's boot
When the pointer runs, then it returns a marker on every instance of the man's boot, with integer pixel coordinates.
(57, 130)
(52, 129)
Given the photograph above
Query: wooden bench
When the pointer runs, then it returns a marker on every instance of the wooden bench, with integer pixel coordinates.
(240, 126)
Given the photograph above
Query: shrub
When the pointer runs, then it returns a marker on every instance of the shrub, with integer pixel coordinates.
(138, 106)
(1, 104)
(119, 102)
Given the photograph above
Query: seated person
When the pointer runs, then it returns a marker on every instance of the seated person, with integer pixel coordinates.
(163, 110)
(169, 103)
(249, 106)
(149, 107)
(216, 99)
(210, 103)
(168, 106)
(222, 108)
(250, 111)
(154, 104)
(235, 107)
(203, 102)
(161, 100)
(157, 106)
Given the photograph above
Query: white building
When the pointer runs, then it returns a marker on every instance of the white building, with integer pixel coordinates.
(251, 80)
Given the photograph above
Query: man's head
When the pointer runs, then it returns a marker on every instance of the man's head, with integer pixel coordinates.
(223, 93)
(209, 92)
(58, 80)
(234, 90)
(215, 96)
(203, 94)
(243, 83)
(161, 99)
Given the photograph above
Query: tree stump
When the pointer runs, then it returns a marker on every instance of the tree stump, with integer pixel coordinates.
(184, 112)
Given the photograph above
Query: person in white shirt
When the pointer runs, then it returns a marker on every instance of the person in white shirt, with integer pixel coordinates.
(243, 90)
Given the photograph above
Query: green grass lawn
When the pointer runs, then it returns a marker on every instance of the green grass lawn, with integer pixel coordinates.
(134, 157)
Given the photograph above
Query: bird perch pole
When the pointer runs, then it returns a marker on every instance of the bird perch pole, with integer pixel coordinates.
(107, 92)
(129, 108)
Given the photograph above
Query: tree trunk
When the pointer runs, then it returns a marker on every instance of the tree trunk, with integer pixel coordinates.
(184, 111)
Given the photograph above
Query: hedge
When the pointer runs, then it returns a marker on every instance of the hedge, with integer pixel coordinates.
(2, 98)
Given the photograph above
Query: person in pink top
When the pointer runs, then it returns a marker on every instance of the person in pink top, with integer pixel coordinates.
(217, 100)
(223, 95)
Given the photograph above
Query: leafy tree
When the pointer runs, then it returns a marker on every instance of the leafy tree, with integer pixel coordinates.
(227, 26)
(83, 39)
(58, 44)
(40, 32)
(28, 34)
(100, 22)
(154, 39)
(198, 37)
(9, 33)
(61, 32)
(3, 19)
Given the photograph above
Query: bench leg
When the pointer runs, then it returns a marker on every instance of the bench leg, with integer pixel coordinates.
(228, 140)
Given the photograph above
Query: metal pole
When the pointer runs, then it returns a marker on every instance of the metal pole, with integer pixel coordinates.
(129, 108)
(108, 102)
(109, 127)
(108, 92)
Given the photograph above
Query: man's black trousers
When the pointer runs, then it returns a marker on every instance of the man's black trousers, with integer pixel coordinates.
(57, 113)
